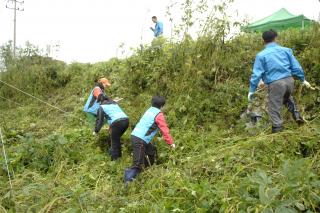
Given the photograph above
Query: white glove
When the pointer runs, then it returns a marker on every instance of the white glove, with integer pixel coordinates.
(307, 84)
(116, 99)
(94, 133)
(173, 146)
(250, 96)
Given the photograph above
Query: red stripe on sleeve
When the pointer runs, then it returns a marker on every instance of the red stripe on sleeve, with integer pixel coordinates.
(162, 124)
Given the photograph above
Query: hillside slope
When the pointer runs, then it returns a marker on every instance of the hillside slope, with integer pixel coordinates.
(218, 165)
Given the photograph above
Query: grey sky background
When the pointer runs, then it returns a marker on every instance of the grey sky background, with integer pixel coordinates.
(92, 30)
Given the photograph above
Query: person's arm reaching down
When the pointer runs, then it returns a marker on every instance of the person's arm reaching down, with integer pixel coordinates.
(99, 120)
(162, 124)
(257, 73)
(296, 68)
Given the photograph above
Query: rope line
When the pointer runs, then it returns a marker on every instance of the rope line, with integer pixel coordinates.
(57, 108)
(6, 160)
(42, 101)
(1, 136)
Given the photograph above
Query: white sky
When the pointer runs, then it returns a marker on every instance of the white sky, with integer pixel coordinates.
(92, 30)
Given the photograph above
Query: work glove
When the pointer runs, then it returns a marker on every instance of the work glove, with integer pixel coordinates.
(116, 99)
(94, 133)
(307, 84)
(250, 96)
(173, 146)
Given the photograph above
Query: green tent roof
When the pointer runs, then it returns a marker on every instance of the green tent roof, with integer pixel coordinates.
(280, 20)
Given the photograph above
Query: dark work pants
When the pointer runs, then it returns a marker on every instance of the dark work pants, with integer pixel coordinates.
(143, 153)
(117, 129)
(280, 93)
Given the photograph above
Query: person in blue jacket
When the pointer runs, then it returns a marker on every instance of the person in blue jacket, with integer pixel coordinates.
(118, 121)
(158, 28)
(143, 150)
(276, 66)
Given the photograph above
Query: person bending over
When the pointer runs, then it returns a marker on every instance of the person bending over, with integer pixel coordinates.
(142, 135)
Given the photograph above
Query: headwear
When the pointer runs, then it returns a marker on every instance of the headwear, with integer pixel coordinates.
(104, 81)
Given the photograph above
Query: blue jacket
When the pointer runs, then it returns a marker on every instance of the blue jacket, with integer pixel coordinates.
(158, 29)
(110, 111)
(147, 128)
(113, 112)
(274, 63)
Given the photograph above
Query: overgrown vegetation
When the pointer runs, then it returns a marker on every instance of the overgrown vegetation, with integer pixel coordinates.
(218, 166)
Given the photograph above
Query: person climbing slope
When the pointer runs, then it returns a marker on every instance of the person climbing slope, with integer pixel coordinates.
(142, 135)
(96, 96)
(118, 123)
(276, 66)
(158, 28)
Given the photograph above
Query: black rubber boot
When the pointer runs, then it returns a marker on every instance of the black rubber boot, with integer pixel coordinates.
(294, 111)
(130, 174)
(276, 129)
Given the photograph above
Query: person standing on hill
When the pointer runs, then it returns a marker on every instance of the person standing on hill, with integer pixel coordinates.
(96, 96)
(276, 66)
(142, 135)
(118, 121)
(158, 28)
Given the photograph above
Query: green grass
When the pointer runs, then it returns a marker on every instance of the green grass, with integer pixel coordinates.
(59, 166)
(219, 165)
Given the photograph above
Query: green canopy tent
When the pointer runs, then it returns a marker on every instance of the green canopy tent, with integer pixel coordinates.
(280, 20)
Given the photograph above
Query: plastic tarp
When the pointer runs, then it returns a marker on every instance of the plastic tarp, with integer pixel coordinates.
(280, 20)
